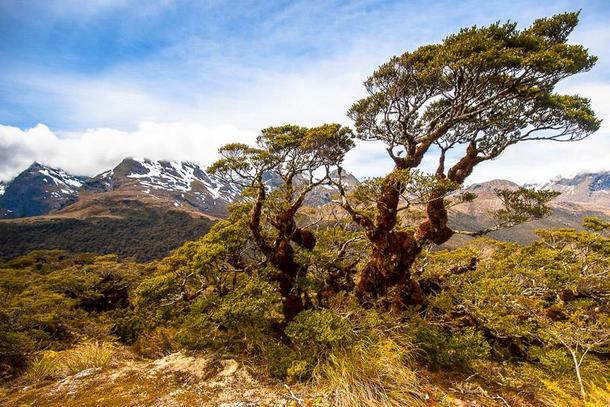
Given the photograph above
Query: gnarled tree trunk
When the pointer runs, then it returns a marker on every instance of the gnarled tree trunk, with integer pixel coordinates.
(394, 252)
(281, 254)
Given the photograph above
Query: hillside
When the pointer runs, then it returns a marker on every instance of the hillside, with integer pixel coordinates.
(136, 230)
(140, 208)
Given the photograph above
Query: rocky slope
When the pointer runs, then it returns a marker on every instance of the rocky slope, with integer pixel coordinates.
(589, 190)
(177, 379)
(583, 195)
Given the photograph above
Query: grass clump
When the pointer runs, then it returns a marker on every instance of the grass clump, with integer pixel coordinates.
(46, 366)
(369, 373)
(53, 365)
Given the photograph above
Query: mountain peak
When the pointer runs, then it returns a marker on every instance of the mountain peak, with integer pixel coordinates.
(38, 190)
(35, 166)
(590, 188)
(175, 183)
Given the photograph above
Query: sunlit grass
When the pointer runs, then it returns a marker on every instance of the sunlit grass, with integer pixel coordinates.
(51, 364)
(371, 373)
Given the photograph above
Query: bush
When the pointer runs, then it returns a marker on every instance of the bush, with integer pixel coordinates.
(554, 359)
(321, 329)
(455, 350)
(240, 320)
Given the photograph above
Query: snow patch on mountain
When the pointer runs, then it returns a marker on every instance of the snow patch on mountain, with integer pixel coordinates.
(179, 176)
(67, 183)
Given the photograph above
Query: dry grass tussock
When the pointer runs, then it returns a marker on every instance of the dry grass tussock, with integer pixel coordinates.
(371, 373)
(53, 365)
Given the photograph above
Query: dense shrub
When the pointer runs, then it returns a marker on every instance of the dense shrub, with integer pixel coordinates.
(452, 349)
(506, 316)
(238, 320)
(51, 300)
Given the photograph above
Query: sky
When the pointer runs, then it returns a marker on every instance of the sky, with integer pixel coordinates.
(84, 84)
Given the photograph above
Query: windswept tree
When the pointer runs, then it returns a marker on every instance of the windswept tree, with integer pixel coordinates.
(463, 101)
(296, 159)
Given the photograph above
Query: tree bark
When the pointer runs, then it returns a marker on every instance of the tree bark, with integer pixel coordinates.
(578, 376)
(395, 251)
(292, 303)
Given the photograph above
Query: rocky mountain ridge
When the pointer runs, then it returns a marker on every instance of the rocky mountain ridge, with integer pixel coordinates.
(44, 190)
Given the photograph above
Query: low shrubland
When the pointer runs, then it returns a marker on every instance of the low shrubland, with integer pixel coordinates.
(500, 321)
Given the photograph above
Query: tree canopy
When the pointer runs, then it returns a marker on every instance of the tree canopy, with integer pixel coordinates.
(290, 158)
(463, 101)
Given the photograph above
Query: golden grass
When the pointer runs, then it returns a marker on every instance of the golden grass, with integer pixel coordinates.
(52, 365)
(373, 373)
(558, 394)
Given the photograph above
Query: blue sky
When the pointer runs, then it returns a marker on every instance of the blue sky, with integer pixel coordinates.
(85, 83)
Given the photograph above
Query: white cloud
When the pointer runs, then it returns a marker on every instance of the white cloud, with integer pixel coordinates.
(96, 150)
(287, 100)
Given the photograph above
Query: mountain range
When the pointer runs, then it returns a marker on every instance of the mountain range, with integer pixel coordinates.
(145, 208)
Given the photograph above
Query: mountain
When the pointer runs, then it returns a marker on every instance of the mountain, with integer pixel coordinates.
(144, 208)
(581, 196)
(170, 184)
(38, 190)
(589, 190)
(140, 208)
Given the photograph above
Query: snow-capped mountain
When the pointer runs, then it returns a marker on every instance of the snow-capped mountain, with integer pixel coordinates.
(589, 189)
(181, 184)
(583, 195)
(38, 190)
(41, 189)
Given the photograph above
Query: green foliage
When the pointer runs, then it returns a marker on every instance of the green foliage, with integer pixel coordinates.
(596, 224)
(544, 305)
(318, 336)
(51, 299)
(240, 319)
(523, 204)
(322, 328)
(517, 69)
(554, 360)
(452, 349)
